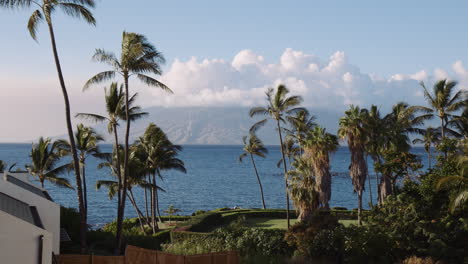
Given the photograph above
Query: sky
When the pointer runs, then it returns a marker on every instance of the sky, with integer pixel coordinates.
(226, 53)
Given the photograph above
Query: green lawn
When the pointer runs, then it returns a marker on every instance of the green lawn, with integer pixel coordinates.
(270, 223)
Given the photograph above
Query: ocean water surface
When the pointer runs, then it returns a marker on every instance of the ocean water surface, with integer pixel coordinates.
(215, 178)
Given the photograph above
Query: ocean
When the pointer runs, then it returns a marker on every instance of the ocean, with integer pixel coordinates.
(215, 178)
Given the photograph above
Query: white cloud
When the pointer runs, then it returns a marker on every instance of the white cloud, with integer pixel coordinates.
(333, 82)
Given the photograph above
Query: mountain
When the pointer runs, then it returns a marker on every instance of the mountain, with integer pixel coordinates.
(210, 125)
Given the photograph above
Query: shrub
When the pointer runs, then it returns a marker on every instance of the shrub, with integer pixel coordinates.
(301, 235)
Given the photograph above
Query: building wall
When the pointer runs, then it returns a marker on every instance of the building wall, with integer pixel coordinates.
(19, 241)
(49, 212)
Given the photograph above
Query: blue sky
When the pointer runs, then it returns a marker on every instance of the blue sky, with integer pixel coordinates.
(374, 43)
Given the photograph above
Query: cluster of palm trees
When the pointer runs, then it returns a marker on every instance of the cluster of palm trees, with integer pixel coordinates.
(386, 139)
(138, 58)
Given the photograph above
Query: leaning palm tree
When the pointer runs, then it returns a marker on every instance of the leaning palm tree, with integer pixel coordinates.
(303, 189)
(115, 109)
(444, 101)
(43, 11)
(352, 129)
(44, 163)
(136, 178)
(430, 138)
(318, 146)
(279, 107)
(87, 140)
(138, 57)
(254, 146)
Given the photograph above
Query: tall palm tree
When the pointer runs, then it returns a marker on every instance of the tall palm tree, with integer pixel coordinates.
(138, 57)
(44, 163)
(279, 107)
(318, 146)
(87, 140)
(254, 146)
(43, 11)
(444, 101)
(430, 138)
(374, 125)
(303, 188)
(158, 154)
(115, 109)
(352, 129)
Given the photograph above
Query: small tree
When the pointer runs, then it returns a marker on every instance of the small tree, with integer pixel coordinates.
(171, 211)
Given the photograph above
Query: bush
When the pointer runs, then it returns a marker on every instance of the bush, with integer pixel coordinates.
(253, 244)
(302, 234)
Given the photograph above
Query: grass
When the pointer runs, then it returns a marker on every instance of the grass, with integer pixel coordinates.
(270, 223)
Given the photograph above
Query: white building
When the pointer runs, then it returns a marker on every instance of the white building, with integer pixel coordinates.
(29, 221)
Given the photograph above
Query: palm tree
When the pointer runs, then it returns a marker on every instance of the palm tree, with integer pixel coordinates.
(87, 140)
(279, 107)
(318, 146)
(396, 129)
(138, 57)
(254, 146)
(301, 124)
(459, 124)
(457, 184)
(444, 101)
(158, 154)
(352, 129)
(74, 8)
(291, 150)
(303, 188)
(44, 163)
(430, 137)
(115, 108)
(136, 178)
(374, 125)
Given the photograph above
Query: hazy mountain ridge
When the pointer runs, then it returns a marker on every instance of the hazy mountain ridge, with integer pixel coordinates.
(208, 125)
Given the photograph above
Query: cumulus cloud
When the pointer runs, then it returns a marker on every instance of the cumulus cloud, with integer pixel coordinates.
(332, 82)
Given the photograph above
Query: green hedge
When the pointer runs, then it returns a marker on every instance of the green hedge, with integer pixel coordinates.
(178, 236)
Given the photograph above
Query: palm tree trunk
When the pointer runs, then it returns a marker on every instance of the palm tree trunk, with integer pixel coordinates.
(443, 134)
(119, 171)
(157, 199)
(121, 209)
(259, 182)
(146, 203)
(429, 157)
(370, 189)
(359, 208)
(85, 194)
(139, 214)
(83, 219)
(285, 172)
(155, 225)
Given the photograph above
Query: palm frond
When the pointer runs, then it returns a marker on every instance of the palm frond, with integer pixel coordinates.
(78, 11)
(33, 23)
(99, 78)
(153, 82)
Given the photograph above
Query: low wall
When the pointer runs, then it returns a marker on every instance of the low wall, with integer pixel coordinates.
(135, 255)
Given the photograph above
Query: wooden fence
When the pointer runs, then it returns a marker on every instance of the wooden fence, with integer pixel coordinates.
(135, 255)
